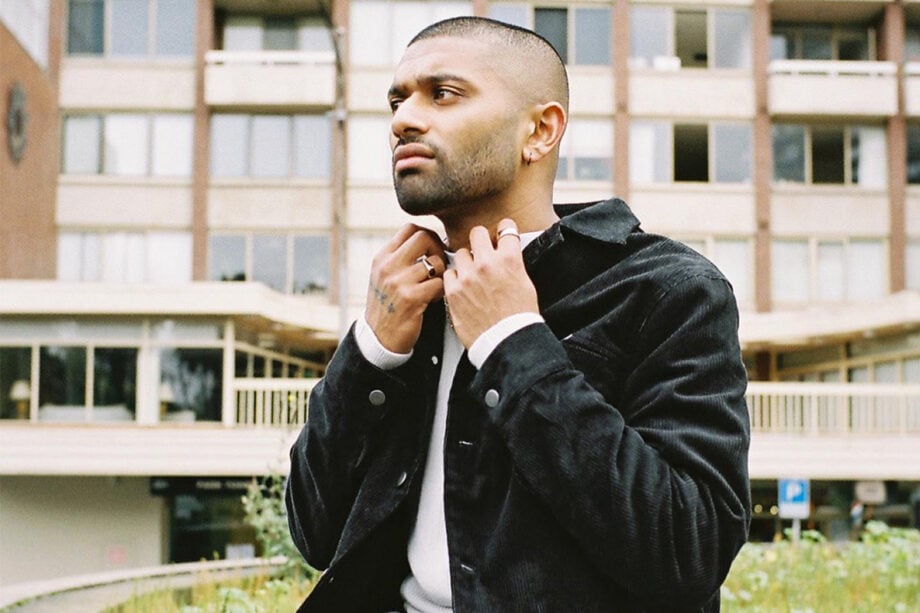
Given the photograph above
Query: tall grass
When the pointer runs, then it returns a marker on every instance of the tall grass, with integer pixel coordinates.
(879, 574)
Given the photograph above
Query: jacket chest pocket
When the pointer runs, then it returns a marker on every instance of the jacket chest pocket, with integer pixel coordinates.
(604, 365)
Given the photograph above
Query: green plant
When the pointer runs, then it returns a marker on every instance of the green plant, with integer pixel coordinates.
(266, 513)
(879, 573)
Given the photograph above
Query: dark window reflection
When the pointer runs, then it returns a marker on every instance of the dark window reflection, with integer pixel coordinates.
(63, 376)
(115, 377)
(195, 378)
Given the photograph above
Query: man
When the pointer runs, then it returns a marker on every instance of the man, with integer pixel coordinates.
(555, 429)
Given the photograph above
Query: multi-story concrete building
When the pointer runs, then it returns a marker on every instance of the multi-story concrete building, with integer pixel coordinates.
(190, 194)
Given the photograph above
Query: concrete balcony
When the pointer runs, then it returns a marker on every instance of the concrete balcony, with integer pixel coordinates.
(253, 437)
(834, 431)
(691, 93)
(819, 431)
(127, 86)
(266, 80)
(805, 88)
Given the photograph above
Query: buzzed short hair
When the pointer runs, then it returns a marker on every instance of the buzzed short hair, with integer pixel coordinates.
(528, 42)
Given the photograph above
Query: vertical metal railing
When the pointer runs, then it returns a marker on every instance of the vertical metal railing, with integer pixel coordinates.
(834, 408)
(276, 403)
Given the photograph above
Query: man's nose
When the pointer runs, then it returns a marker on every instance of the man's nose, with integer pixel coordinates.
(409, 118)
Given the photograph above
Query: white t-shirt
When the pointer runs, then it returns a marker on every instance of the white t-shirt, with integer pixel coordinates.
(427, 588)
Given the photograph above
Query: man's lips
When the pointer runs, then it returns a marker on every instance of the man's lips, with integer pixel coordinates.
(410, 156)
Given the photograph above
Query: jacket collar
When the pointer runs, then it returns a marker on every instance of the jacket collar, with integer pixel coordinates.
(610, 221)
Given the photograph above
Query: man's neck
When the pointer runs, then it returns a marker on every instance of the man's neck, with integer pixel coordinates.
(528, 219)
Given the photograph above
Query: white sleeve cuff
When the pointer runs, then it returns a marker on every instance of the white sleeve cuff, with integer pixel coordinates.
(483, 346)
(373, 351)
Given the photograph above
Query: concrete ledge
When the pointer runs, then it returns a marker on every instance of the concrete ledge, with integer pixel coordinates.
(21, 593)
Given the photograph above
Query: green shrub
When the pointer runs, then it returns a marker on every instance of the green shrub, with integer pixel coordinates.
(880, 573)
(266, 513)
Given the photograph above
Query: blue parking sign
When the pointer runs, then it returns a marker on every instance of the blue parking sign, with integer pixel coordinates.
(794, 499)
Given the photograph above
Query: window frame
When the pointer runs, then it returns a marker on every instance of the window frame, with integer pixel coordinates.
(569, 152)
(150, 153)
(292, 159)
(290, 238)
(571, 52)
(813, 243)
(838, 33)
(152, 48)
(850, 178)
(671, 35)
(711, 151)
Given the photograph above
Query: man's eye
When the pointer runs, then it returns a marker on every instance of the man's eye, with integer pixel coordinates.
(394, 104)
(443, 94)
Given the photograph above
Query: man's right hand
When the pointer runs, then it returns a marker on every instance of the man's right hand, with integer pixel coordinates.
(401, 286)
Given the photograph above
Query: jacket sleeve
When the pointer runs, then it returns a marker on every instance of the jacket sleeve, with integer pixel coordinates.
(328, 457)
(655, 490)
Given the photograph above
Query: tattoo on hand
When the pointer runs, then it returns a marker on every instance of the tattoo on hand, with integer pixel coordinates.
(382, 298)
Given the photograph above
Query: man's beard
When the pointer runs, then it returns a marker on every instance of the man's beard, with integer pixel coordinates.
(478, 173)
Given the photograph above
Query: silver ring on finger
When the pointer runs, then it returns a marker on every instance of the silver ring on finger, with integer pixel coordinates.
(429, 267)
(509, 231)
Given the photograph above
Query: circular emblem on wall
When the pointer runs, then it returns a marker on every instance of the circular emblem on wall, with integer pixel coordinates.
(16, 122)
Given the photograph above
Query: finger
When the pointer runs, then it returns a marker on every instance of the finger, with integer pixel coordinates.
(402, 235)
(481, 242)
(463, 259)
(507, 236)
(431, 266)
(422, 242)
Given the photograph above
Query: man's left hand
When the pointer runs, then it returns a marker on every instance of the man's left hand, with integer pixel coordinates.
(488, 282)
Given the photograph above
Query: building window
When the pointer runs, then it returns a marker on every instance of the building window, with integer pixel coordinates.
(586, 152)
(385, 28)
(912, 43)
(194, 380)
(369, 156)
(249, 33)
(289, 263)
(661, 152)
(821, 42)
(125, 257)
(913, 154)
(667, 38)
(131, 28)
(838, 155)
(826, 270)
(16, 388)
(913, 264)
(580, 35)
(128, 144)
(271, 146)
(63, 394)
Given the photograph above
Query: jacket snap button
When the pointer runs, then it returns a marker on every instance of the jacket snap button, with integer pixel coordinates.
(402, 478)
(377, 398)
(492, 399)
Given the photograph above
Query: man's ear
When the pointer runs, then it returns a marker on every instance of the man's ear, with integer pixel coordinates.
(547, 126)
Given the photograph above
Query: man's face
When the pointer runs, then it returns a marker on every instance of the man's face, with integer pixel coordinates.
(456, 129)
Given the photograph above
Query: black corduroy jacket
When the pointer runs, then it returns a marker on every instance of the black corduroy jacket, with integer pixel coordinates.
(597, 462)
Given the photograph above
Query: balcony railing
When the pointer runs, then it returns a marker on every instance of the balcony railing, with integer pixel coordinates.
(279, 403)
(270, 58)
(832, 87)
(832, 68)
(828, 409)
